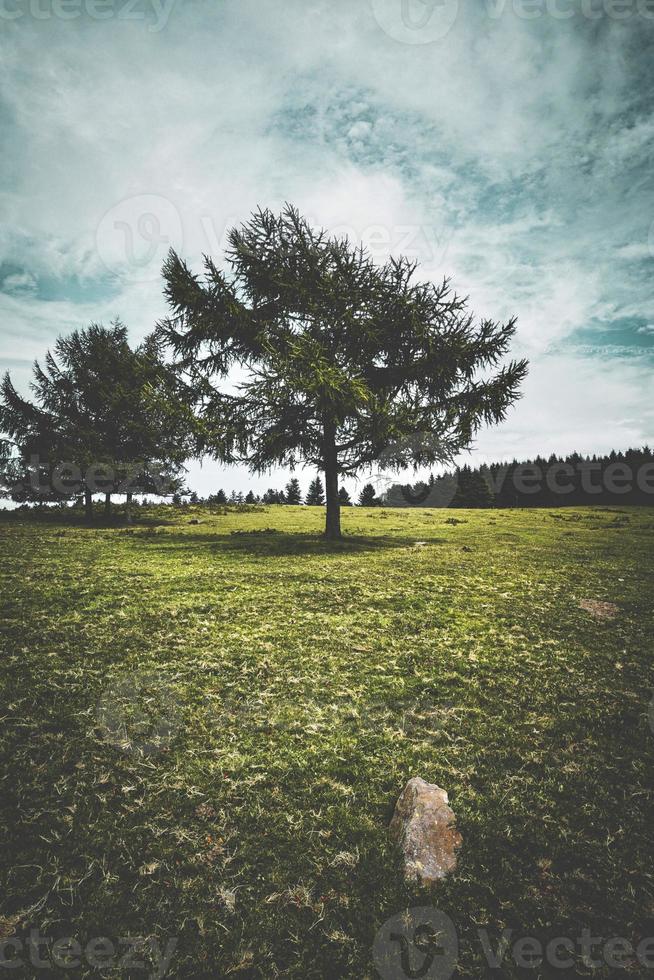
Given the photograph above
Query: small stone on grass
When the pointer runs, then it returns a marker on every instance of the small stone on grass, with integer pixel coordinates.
(423, 826)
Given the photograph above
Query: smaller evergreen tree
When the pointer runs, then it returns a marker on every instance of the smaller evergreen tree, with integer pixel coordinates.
(473, 489)
(368, 497)
(344, 497)
(316, 495)
(250, 498)
(293, 494)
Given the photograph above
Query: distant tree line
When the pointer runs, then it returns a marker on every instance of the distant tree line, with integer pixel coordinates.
(555, 481)
(290, 494)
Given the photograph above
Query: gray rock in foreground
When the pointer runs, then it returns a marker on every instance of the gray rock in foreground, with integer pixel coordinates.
(423, 826)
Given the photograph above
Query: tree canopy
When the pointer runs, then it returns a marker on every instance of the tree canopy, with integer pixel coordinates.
(342, 360)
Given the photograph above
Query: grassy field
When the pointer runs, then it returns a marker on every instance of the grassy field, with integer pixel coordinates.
(205, 728)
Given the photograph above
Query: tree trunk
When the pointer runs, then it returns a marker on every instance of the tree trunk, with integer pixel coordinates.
(107, 505)
(128, 508)
(88, 505)
(332, 500)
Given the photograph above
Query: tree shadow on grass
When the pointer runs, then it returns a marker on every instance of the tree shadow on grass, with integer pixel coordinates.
(77, 520)
(270, 543)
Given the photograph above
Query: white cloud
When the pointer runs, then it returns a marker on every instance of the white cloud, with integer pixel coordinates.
(635, 250)
(573, 403)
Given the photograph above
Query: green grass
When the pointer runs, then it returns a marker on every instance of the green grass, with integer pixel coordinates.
(204, 730)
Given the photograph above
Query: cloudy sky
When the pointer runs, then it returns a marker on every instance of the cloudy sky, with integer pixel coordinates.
(505, 143)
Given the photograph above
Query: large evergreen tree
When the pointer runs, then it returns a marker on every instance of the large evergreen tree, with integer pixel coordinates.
(343, 360)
